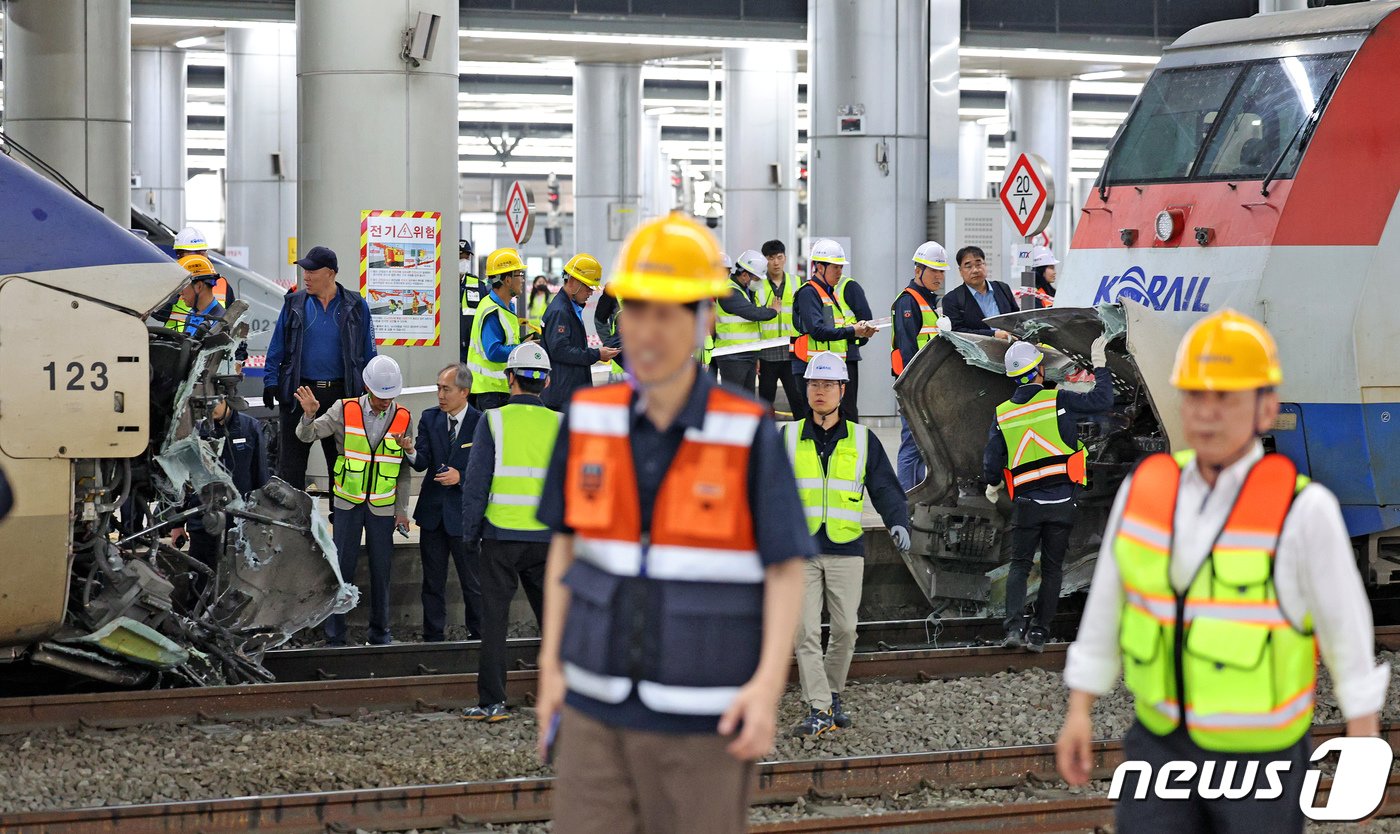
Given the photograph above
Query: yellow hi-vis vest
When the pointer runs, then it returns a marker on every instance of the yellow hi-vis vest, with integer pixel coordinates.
(1246, 673)
(524, 437)
(490, 377)
(362, 473)
(834, 496)
(731, 329)
(179, 316)
(834, 310)
(781, 325)
(1036, 453)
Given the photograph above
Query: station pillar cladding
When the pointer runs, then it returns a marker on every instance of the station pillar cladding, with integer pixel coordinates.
(378, 133)
(607, 157)
(68, 93)
(1039, 110)
(158, 132)
(883, 72)
(262, 147)
(760, 148)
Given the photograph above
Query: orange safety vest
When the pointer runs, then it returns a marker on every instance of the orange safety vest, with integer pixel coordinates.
(928, 328)
(362, 473)
(700, 551)
(1248, 674)
(804, 347)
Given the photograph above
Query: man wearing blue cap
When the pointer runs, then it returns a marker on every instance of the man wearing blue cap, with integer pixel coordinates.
(323, 339)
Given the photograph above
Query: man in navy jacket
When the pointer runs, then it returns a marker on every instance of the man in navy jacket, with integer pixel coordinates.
(443, 446)
(566, 340)
(977, 298)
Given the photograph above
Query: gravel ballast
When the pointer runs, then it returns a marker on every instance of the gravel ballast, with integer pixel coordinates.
(161, 763)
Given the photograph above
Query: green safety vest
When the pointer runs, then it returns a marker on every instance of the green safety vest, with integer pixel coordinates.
(487, 376)
(836, 313)
(835, 495)
(363, 473)
(1035, 451)
(781, 325)
(179, 316)
(731, 329)
(845, 316)
(524, 437)
(1247, 673)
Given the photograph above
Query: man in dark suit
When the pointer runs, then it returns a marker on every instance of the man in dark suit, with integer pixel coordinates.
(966, 306)
(442, 449)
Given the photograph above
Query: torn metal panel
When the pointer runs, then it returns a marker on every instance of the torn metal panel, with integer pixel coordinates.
(282, 573)
(137, 642)
(949, 393)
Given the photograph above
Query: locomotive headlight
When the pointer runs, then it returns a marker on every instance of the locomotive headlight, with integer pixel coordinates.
(1168, 224)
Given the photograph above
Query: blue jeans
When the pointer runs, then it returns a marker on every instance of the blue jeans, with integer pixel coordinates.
(912, 469)
(378, 533)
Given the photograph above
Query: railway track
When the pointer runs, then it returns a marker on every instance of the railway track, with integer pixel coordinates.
(434, 692)
(328, 695)
(461, 657)
(520, 800)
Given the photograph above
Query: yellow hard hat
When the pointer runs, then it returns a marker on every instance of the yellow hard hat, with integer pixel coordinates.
(502, 261)
(198, 265)
(672, 259)
(586, 268)
(1227, 351)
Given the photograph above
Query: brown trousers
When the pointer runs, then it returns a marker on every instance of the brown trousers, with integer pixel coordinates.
(618, 781)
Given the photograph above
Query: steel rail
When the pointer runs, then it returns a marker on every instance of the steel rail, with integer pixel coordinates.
(520, 800)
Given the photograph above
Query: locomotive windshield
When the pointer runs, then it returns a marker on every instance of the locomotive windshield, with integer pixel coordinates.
(1223, 122)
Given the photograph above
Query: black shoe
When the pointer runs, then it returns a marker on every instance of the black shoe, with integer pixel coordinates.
(491, 714)
(814, 725)
(1013, 639)
(839, 715)
(1035, 640)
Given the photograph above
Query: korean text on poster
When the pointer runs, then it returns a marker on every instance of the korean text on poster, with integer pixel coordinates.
(401, 275)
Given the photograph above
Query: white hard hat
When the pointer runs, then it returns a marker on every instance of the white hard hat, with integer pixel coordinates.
(826, 365)
(728, 261)
(931, 254)
(383, 378)
(1042, 256)
(528, 360)
(753, 262)
(1022, 358)
(827, 251)
(190, 239)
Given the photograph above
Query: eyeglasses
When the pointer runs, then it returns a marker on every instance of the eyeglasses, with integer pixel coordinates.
(823, 384)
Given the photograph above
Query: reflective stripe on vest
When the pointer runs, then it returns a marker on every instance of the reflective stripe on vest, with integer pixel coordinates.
(731, 329)
(1036, 453)
(701, 531)
(487, 376)
(1247, 672)
(928, 328)
(781, 324)
(179, 314)
(524, 437)
(362, 473)
(833, 496)
(804, 347)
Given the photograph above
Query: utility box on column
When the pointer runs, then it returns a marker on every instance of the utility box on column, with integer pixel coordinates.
(959, 223)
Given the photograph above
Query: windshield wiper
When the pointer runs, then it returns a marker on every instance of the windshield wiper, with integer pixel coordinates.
(1310, 123)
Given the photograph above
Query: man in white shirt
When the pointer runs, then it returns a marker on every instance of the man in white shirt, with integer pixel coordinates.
(1253, 566)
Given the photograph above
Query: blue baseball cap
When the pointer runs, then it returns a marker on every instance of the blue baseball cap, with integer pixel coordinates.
(320, 257)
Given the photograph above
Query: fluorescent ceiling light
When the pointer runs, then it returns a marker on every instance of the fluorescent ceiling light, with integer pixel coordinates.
(189, 43)
(1058, 55)
(629, 40)
(1106, 75)
(207, 23)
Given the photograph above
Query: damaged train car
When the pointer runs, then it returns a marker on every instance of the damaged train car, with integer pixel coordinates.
(98, 441)
(1254, 172)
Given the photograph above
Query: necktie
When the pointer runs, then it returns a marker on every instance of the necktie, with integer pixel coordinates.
(451, 429)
